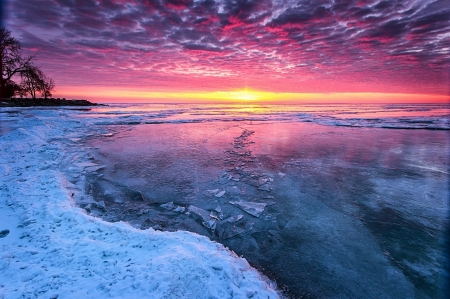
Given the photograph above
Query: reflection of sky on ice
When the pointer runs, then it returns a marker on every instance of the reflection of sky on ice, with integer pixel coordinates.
(393, 116)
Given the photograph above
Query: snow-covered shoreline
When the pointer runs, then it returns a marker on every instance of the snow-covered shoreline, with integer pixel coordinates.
(55, 250)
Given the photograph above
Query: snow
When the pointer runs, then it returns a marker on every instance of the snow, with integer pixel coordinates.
(55, 250)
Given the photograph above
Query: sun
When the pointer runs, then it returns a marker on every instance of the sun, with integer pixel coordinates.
(245, 95)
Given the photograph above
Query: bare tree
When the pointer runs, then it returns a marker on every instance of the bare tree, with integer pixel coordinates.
(32, 81)
(12, 61)
(12, 88)
(47, 87)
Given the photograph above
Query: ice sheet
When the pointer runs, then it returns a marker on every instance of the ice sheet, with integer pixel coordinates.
(394, 116)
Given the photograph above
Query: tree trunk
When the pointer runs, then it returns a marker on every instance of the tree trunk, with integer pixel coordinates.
(2, 88)
(2, 80)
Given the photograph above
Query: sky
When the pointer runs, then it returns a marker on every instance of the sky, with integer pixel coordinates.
(157, 50)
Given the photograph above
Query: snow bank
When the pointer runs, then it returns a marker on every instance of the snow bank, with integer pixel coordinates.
(52, 249)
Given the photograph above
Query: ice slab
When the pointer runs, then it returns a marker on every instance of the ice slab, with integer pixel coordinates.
(168, 206)
(234, 218)
(265, 187)
(86, 164)
(253, 208)
(211, 224)
(228, 230)
(220, 194)
(211, 192)
(199, 212)
(179, 209)
(231, 232)
(94, 168)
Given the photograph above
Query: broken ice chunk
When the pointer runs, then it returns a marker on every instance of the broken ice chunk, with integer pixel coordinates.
(262, 181)
(253, 208)
(86, 164)
(223, 180)
(100, 205)
(229, 232)
(218, 209)
(265, 187)
(234, 218)
(220, 194)
(168, 206)
(179, 209)
(95, 168)
(211, 192)
(234, 190)
(213, 216)
(199, 212)
(281, 174)
(210, 224)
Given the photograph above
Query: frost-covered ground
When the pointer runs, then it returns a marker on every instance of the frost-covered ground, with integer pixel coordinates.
(52, 249)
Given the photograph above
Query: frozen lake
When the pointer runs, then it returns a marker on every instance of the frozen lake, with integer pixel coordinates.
(332, 201)
(327, 204)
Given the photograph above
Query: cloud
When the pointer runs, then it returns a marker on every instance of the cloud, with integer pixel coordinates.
(286, 39)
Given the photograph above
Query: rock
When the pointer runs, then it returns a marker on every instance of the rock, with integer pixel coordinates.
(27, 102)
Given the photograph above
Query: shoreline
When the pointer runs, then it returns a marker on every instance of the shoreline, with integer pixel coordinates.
(48, 102)
(49, 245)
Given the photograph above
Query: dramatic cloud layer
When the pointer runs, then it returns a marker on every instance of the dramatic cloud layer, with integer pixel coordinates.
(273, 45)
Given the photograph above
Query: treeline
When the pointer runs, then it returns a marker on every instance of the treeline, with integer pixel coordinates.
(15, 66)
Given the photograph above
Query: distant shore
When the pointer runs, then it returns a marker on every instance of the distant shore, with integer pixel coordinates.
(29, 102)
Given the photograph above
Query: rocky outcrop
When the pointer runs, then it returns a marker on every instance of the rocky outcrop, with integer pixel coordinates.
(28, 102)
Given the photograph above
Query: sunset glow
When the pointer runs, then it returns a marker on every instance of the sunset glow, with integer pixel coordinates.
(115, 95)
(221, 50)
